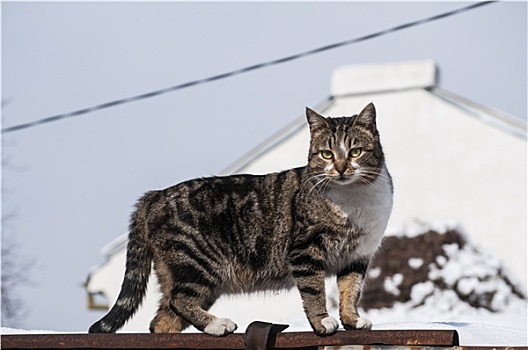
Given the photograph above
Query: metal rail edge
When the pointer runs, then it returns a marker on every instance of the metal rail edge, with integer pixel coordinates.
(259, 335)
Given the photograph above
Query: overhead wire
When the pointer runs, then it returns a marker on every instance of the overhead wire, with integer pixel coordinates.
(247, 69)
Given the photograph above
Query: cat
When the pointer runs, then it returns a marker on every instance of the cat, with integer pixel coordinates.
(243, 233)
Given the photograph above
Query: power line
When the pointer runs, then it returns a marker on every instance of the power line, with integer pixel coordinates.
(243, 70)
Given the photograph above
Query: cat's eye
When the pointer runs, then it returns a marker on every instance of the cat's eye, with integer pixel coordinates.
(356, 152)
(327, 154)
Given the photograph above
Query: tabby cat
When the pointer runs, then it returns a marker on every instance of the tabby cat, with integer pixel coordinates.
(242, 233)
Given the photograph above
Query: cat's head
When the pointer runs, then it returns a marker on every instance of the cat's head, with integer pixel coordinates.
(346, 149)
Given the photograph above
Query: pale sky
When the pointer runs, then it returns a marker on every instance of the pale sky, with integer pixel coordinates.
(72, 184)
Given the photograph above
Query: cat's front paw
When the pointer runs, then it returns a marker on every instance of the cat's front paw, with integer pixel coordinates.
(220, 326)
(328, 326)
(358, 323)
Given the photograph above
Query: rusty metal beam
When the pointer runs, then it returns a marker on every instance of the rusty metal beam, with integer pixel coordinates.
(121, 341)
(294, 340)
(381, 337)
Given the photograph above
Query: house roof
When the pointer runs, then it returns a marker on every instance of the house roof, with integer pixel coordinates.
(493, 117)
(118, 244)
(377, 79)
(374, 78)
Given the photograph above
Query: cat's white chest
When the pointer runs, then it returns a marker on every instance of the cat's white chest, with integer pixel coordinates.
(367, 208)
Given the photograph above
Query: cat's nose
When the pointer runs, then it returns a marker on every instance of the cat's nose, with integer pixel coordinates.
(340, 168)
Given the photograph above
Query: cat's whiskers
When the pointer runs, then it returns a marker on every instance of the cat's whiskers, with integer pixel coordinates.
(372, 174)
(310, 181)
(375, 185)
(367, 182)
(325, 185)
(368, 177)
(320, 182)
(375, 171)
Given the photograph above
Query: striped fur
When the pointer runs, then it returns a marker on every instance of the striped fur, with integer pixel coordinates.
(242, 233)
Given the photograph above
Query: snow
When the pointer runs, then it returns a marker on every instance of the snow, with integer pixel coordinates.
(421, 291)
(374, 272)
(470, 334)
(415, 263)
(7, 330)
(465, 272)
(471, 272)
(391, 283)
(416, 228)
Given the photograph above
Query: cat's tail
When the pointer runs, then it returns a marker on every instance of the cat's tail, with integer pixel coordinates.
(138, 267)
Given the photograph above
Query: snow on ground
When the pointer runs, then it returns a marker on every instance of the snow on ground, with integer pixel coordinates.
(478, 327)
(470, 334)
(7, 330)
(416, 228)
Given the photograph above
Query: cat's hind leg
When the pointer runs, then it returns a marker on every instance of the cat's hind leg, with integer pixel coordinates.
(167, 321)
(193, 308)
(195, 289)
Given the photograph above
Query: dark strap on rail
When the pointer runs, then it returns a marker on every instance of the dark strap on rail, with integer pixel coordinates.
(262, 335)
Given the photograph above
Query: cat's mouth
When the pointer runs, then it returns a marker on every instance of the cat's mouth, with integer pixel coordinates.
(343, 179)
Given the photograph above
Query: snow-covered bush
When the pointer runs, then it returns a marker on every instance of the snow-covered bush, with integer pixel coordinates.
(436, 265)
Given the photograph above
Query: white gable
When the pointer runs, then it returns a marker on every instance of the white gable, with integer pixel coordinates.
(371, 78)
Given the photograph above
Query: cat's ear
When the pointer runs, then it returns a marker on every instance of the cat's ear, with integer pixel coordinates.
(367, 116)
(315, 120)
